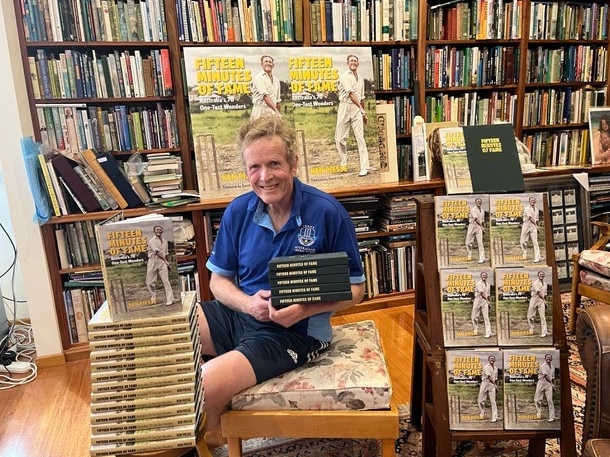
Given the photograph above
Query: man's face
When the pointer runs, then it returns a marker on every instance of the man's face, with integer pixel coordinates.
(541, 275)
(548, 358)
(604, 140)
(484, 276)
(478, 202)
(269, 173)
(267, 64)
(158, 231)
(353, 63)
(492, 359)
(532, 201)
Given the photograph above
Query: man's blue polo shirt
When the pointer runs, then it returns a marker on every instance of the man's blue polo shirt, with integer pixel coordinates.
(246, 242)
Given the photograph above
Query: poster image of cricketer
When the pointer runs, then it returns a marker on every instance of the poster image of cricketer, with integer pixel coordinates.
(223, 93)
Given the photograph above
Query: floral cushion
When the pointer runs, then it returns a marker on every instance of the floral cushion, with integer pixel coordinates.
(351, 375)
(593, 279)
(596, 260)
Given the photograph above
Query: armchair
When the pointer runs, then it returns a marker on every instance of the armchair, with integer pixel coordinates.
(593, 342)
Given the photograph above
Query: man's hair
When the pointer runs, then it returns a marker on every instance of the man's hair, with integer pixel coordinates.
(352, 55)
(265, 126)
(266, 55)
(156, 227)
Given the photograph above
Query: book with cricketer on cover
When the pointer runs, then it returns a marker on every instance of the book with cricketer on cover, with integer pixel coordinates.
(220, 83)
(139, 266)
(454, 158)
(462, 235)
(474, 389)
(532, 389)
(468, 307)
(524, 306)
(517, 229)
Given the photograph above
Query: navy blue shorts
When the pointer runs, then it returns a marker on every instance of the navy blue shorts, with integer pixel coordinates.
(270, 348)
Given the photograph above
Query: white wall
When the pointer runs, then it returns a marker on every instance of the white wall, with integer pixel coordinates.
(15, 123)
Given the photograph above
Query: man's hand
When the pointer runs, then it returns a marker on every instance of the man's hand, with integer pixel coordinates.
(260, 305)
(287, 316)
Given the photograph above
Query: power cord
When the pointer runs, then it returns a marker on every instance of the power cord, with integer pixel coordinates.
(17, 349)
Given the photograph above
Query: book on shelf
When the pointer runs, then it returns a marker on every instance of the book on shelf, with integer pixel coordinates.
(468, 307)
(435, 159)
(454, 157)
(524, 306)
(136, 254)
(65, 170)
(475, 389)
(493, 158)
(599, 134)
(420, 160)
(532, 389)
(517, 231)
(462, 230)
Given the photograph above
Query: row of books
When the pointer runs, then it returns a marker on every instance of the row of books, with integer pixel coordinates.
(146, 391)
(560, 106)
(225, 21)
(120, 128)
(449, 66)
(94, 20)
(556, 148)
(583, 63)
(389, 264)
(403, 113)
(363, 21)
(568, 21)
(504, 230)
(472, 108)
(475, 19)
(504, 389)
(77, 244)
(118, 74)
(482, 306)
(393, 69)
(81, 303)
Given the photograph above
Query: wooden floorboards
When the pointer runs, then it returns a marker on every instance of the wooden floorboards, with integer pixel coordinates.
(50, 416)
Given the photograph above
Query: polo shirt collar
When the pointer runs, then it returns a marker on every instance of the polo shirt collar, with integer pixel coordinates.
(261, 216)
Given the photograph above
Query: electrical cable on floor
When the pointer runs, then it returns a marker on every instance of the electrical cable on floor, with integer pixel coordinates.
(19, 340)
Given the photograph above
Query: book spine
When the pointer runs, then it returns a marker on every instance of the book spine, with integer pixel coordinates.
(49, 185)
(91, 159)
(142, 414)
(144, 383)
(144, 424)
(132, 394)
(136, 362)
(278, 302)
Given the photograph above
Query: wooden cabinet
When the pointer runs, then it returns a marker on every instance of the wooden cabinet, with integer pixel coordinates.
(423, 49)
(429, 397)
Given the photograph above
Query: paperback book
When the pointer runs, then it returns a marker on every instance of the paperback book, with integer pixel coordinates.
(468, 307)
(532, 389)
(517, 229)
(524, 306)
(462, 234)
(139, 265)
(454, 158)
(475, 389)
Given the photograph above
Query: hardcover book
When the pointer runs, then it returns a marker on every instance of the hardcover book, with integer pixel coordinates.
(454, 157)
(532, 389)
(139, 265)
(493, 158)
(468, 307)
(524, 306)
(308, 260)
(517, 229)
(475, 389)
(462, 234)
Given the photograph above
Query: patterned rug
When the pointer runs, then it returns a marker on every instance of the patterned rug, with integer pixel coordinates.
(409, 442)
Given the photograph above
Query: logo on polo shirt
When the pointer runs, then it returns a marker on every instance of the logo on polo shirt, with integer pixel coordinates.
(307, 235)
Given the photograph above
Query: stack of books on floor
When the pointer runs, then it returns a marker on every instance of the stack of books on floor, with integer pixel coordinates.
(309, 278)
(146, 393)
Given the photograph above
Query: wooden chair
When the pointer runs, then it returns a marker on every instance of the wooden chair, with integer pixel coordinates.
(580, 289)
(339, 362)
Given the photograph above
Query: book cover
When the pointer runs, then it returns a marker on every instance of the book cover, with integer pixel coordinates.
(475, 389)
(115, 173)
(524, 306)
(102, 319)
(65, 169)
(143, 383)
(309, 97)
(432, 145)
(138, 436)
(532, 389)
(129, 394)
(129, 342)
(141, 414)
(599, 134)
(283, 301)
(145, 446)
(308, 261)
(454, 158)
(517, 229)
(139, 264)
(312, 271)
(462, 230)
(144, 424)
(90, 159)
(468, 307)
(493, 158)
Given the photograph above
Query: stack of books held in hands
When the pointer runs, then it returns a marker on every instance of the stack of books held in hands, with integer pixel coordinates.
(309, 278)
(146, 392)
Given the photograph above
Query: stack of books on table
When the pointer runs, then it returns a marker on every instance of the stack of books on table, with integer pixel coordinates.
(309, 278)
(146, 392)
